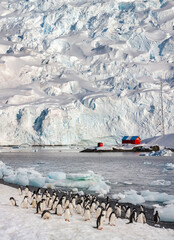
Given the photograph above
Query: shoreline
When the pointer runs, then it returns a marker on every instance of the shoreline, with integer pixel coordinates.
(148, 211)
(139, 149)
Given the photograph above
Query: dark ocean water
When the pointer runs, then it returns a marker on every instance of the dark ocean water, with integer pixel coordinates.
(122, 171)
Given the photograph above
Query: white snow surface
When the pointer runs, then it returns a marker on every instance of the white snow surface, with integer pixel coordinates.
(71, 68)
(162, 141)
(23, 224)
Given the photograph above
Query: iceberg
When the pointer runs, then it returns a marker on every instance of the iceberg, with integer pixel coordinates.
(88, 181)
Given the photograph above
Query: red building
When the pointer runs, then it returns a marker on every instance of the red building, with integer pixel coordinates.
(131, 140)
(100, 144)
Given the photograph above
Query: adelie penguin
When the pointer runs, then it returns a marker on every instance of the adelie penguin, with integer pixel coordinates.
(50, 203)
(46, 214)
(26, 190)
(71, 208)
(92, 207)
(100, 221)
(133, 216)
(20, 191)
(59, 210)
(142, 208)
(141, 217)
(74, 202)
(118, 210)
(34, 202)
(13, 202)
(67, 214)
(38, 197)
(156, 217)
(39, 207)
(127, 212)
(55, 203)
(112, 218)
(79, 207)
(66, 204)
(25, 202)
(38, 191)
(87, 214)
(108, 211)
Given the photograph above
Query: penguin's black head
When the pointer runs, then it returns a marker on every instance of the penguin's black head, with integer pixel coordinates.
(107, 199)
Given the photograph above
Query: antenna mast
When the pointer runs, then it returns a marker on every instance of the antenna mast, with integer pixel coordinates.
(162, 107)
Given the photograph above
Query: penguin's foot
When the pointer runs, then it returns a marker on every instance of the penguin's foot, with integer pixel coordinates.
(100, 228)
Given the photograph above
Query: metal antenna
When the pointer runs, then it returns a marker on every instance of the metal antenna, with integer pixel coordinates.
(162, 108)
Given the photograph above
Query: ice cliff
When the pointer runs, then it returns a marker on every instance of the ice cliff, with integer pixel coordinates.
(78, 72)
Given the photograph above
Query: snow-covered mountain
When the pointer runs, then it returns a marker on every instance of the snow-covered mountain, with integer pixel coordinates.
(79, 72)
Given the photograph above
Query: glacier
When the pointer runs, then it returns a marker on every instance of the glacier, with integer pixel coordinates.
(80, 72)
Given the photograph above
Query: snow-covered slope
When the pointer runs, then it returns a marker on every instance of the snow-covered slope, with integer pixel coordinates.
(24, 224)
(166, 141)
(78, 72)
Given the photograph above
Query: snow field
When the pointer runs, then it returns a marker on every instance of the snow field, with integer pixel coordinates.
(19, 223)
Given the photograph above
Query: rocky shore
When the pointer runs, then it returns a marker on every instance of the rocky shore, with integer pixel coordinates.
(122, 149)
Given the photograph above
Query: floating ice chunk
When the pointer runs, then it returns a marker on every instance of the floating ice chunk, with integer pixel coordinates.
(161, 182)
(24, 177)
(21, 177)
(89, 181)
(144, 154)
(156, 196)
(166, 213)
(37, 181)
(80, 176)
(10, 179)
(147, 163)
(102, 188)
(49, 185)
(167, 153)
(75, 189)
(132, 197)
(57, 175)
(101, 195)
(81, 192)
(169, 202)
(169, 166)
(115, 183)
(127, 183)
(49, 180)
(5, 170)
(164, 152)
(118, 196)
